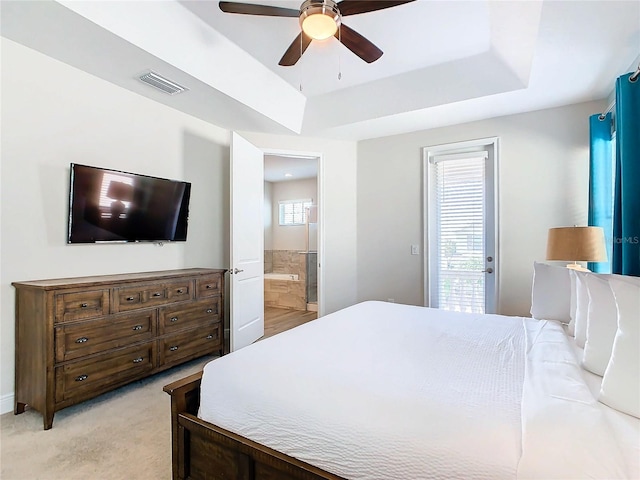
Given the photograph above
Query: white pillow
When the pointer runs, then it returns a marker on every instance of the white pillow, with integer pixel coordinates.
(602, 324)
(621, 383)
(625, 278)
(573, 305)
(551, 292)
(582, 308)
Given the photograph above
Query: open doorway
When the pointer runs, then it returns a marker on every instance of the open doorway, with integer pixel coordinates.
(291, 239)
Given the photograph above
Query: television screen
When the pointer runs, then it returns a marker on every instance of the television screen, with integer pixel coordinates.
(112, 206)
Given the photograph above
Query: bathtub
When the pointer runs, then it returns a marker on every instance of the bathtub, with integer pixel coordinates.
(284, 290)
(280, 276)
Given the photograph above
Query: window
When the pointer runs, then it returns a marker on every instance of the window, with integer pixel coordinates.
(115, 189)
(293, 212)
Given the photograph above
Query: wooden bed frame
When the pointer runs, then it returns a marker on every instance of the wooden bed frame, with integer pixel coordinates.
(203, 451)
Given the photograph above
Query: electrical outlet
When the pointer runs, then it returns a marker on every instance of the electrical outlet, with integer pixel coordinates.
(415, 249)
(391, 300)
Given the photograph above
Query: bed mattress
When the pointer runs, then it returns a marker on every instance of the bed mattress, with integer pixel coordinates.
(389, 391)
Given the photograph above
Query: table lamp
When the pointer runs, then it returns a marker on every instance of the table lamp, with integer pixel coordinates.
(576, 244)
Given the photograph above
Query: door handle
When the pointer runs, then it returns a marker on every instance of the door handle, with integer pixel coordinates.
(488, 270)
(237, 271)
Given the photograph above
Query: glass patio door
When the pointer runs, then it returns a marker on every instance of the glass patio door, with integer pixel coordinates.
(461, 228)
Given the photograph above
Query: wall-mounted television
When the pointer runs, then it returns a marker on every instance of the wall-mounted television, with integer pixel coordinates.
(113, 206)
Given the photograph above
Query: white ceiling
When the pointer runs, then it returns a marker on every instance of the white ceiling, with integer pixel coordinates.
(281, 168)
(444, 62)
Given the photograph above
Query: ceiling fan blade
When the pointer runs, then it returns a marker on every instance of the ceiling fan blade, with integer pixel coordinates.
(295, 50)
(253, 9)
(359, 45)
(353, 7)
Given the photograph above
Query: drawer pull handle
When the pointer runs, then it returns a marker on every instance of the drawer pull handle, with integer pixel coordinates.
(82, 340)
(208, 287)
(174, 319)
(209, 337)
(83, 305)
(180, 290)
(130, 299)
(156, 294)
(81, 378)
(137, 327)
(138, 360)
(209, 310)
(174, 348)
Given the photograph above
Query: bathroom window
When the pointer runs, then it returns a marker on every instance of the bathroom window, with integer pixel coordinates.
(293, 212)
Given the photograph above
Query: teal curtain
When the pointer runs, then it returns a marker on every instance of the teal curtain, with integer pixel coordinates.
(626, 216)
(601, 175)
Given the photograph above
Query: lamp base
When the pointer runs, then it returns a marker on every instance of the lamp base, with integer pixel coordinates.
(578, 267)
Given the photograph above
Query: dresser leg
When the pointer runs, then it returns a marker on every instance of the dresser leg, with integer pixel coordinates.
(19, 408)
(48, 420)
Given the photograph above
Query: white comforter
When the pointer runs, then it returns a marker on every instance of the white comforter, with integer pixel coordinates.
(388, 391)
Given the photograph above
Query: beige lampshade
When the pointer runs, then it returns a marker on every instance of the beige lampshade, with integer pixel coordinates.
(577, 244)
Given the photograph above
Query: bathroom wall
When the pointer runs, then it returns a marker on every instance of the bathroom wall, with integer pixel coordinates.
(291, 237)
(287, 261)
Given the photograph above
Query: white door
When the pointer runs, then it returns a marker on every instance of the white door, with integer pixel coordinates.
(247, 243)
(461, 234)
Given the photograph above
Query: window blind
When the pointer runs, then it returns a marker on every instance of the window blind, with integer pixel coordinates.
(105, 201)
(292, 212)
(459, 194)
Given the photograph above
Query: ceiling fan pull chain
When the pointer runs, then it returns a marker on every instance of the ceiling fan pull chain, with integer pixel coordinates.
(301, 52)
(339, 53)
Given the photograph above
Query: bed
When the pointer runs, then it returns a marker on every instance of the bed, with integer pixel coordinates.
(389, 391)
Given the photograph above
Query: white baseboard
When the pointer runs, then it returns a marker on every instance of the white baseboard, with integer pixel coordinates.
(6, 403)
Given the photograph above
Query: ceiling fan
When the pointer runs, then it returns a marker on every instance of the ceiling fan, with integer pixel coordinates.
(319, 20)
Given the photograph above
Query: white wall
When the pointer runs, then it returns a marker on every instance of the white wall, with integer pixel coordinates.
(206, 165)
(337, 193)
(543, 182)
(292, 237)
(52, 115)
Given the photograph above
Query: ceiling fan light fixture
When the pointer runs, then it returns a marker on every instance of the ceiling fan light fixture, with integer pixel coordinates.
(319, 19)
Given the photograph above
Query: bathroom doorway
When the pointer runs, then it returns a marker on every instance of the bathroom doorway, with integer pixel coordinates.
(291, 239)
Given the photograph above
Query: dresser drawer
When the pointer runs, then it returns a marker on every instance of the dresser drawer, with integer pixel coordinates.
(178, 317)
(190, 344)
(79, 305)
(142, 296)
(74, 340)
(209, 286)
(92, 376)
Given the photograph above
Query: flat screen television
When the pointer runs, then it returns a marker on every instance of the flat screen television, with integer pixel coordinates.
(113, 206)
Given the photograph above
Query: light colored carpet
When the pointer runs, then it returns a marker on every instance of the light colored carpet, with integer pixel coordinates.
(123, 434)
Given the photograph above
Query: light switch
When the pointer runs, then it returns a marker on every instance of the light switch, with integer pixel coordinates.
(415, 249)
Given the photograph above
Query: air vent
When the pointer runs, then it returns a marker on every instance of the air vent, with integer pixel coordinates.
(161, 83)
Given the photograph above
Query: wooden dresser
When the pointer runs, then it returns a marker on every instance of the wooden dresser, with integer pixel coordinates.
(80, 337)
